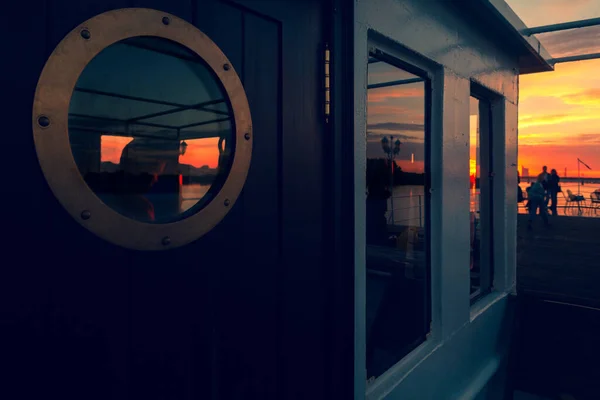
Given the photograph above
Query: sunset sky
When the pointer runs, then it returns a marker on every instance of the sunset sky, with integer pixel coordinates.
(559, 111)
(397, 111)
(199, 152)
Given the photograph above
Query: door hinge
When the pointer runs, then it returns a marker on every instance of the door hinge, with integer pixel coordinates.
(327, 60)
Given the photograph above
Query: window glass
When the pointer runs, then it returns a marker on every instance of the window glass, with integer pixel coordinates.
(396, 215)
(480, 212)
(151, 129)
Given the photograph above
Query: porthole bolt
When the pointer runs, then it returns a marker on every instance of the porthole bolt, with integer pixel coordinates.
(43, 121)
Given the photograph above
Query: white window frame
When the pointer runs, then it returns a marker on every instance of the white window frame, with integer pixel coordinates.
(433, 72)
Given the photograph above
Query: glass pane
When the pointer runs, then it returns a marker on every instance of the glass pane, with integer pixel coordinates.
(384, 73)
(151, 129)
(474, 211)
(396, 216)
(480, 213)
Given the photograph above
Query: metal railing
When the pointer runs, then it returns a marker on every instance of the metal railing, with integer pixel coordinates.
(585, 207)
(392, 213)
(393, 219)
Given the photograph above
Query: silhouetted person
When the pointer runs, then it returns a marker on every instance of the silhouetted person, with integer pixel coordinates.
(377, 198)
(472, 241)
(553, 189)
(536, 200)
(544, 174)
(520, 196)
(142, 162)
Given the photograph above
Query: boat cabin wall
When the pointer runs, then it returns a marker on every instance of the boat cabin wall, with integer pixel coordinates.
(467, 346)
(240, 312)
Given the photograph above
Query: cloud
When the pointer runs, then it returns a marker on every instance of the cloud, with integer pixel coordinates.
(565, 140)
(377, 136)
(526, 121)
(397, 126)
(544, 12)
(588, 138)
(588, 97)
(415, 112)
(572, 42)
(567, 79)
(394, 92)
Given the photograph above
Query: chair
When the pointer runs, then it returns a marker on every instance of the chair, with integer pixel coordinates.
(595, 200)
(567, 202)
(572, 200)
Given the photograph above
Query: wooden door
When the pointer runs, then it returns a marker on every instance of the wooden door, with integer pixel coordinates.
(237, 314)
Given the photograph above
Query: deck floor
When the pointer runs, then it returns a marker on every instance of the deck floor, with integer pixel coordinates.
(562, 262)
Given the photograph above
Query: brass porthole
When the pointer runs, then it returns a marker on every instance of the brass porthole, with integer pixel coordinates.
(142, 129)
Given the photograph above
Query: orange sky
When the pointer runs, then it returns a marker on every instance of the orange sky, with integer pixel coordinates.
(199, 152)
(559, 118)
(473, 136)
(559, 112)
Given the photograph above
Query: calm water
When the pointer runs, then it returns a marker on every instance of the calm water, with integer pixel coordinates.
(193, 192)
(409, 201)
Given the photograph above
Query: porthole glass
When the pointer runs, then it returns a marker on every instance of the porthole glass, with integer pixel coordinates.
(142, 129)
(151, 129)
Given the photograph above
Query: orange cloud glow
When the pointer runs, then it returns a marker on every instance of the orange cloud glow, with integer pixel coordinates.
(559, 118)
(559, 112)
(526, 121)
(590, 97)
(394, 92)
(201, 152)
(112, 147)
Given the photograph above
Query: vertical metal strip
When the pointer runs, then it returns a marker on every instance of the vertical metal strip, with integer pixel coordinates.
(327, 84)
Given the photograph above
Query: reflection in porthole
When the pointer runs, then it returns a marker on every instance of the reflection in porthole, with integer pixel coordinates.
(151, 129)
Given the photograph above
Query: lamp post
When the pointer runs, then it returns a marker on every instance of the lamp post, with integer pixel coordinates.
(579, 175)
(391, 153)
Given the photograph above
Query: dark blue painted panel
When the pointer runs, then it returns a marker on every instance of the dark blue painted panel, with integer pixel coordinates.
(236, 314)
(303, 246)
(55, 313)
(181, 8)
(64, 15)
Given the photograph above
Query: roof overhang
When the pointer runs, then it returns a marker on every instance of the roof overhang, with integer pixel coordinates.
(505, 26)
